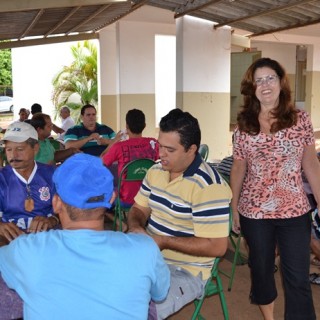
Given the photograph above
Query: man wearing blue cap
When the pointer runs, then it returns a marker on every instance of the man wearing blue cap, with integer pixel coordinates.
(82, 271)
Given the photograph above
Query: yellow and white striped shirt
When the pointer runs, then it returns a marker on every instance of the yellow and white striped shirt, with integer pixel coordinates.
(194, 204)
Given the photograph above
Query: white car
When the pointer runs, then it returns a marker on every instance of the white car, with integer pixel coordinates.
(6, 104)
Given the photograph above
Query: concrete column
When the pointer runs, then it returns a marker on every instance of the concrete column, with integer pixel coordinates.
(109, 76)
(312, 84)
(127, 53)
(203, 80)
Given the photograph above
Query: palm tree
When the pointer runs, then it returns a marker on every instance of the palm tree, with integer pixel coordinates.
(76, 85)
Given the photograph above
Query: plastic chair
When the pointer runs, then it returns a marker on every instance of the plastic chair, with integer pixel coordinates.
(133, 171)
(204, 151)
(213, 287)
(238, 259)
(56, 144)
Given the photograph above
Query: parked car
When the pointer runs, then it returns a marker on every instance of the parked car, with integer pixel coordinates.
(6, 104)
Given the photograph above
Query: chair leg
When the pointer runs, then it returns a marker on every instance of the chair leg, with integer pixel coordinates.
(222, 298)
(237, 256)
(117, 221)
(196, 314)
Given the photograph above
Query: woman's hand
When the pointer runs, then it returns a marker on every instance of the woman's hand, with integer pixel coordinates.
(236, 222)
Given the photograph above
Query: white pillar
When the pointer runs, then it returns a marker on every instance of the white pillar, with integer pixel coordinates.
(203, 80)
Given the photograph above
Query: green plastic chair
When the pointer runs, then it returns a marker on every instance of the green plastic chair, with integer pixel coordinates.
(239, 258)
(204, 151)
(133, 171)
(56, 144)
(213, 287)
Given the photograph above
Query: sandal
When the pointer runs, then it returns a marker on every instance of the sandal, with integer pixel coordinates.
(314, 278)
(315, 261)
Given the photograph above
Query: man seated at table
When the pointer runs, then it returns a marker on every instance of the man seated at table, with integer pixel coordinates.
(27, 189)
(47, 154)
(90, 136)
(132, 148)
(67, 123)
(83, 271)
(183, 204)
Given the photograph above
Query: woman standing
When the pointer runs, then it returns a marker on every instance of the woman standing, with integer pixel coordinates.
(273, 141)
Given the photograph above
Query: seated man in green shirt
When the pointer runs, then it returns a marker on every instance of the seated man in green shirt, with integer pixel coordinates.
(47, 154)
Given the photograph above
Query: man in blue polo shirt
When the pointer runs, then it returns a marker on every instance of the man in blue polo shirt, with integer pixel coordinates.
(90, 136)
(82, 271)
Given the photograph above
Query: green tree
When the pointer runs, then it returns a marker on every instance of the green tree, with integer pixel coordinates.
(5, 70)
(76, 85)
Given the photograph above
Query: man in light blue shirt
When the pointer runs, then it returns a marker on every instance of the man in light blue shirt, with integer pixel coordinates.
(83, 271)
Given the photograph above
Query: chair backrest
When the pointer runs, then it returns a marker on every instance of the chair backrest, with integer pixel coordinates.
(204, 151)
(56, 144)
(134, 170)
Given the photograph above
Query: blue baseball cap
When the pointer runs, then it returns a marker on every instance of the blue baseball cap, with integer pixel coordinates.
(82, 181)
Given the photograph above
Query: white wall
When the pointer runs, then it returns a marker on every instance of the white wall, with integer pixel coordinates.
(205, 63)
(137, 55)
(284, 53)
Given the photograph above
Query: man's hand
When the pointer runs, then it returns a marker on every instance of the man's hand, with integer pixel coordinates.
(137, 218)
(137, 229)
(39, 224)
(9, 230)
(93, 136)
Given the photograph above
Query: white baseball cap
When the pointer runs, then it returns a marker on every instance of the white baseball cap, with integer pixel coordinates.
(20, 132)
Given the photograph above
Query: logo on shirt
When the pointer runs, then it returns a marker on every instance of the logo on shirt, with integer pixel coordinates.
(44, 193)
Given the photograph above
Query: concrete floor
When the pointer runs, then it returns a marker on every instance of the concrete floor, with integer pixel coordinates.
(237, 299)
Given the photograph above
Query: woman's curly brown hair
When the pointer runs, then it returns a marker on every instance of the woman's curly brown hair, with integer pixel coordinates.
(285, 113)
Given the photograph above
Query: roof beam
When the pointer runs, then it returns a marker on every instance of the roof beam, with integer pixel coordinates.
(60, 23)
(34, 21)
(49, 40)
(134, 7)
(24, 5)
(262, 13)
(299, 25)
(89, 18)
(194, 6)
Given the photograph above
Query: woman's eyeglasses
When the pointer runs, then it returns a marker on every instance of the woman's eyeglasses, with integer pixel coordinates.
(268, 80)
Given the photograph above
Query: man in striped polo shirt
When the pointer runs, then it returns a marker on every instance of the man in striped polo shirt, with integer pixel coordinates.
(183, 204)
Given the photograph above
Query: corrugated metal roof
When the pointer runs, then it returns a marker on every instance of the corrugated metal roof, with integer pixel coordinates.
(256, 17)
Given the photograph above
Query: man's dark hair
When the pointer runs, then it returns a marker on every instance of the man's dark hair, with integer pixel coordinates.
(135, 120)
(185, 124)
(35, 108)
(85, 107)
(39, 120)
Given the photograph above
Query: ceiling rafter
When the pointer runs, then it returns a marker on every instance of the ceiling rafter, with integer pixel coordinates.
(89, 18)
(261, 13)
(194, 6)
(134, 7)
(30, 26)
(59, 24)
(284, 28)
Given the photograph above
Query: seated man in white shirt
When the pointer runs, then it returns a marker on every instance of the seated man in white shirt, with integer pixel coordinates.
(66, 123)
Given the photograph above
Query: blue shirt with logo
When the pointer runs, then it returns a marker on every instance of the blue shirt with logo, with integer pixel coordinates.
(13, 193)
